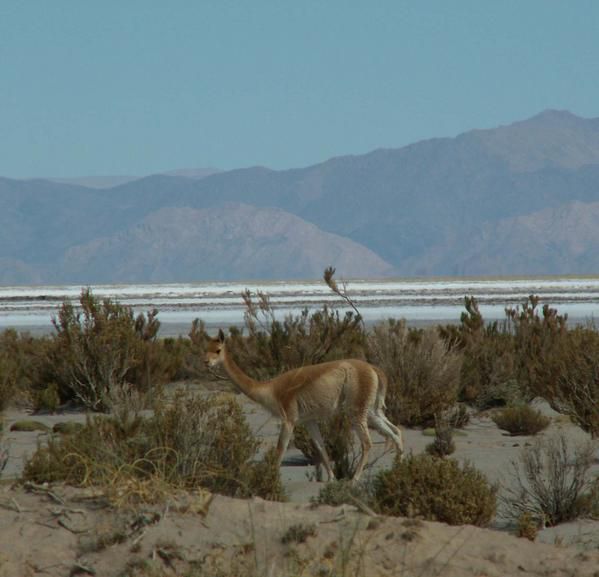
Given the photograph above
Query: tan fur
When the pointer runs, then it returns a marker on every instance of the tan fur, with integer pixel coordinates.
(314, 393)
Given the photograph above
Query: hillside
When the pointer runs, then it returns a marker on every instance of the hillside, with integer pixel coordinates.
(463, 205)
(226, 243)
(563, 239)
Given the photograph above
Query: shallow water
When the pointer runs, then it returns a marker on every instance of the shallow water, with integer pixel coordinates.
(31, 308)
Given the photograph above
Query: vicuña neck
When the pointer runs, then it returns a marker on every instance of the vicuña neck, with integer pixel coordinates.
(247, 385)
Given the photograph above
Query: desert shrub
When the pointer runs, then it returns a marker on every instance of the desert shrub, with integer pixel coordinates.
(423, 371)
(104, 348)
(552, 482)
(342, 491)
(435, 489)
(211, 444)
(193, 351)
(533, 353)
(159, 359)
(7, 381)
(458, 416)
(488, 373)
(574, 388)
(521, 420)
(23, 365)
(191, 442)
(558, 364)
(47, 398)
(443, 443)
(272, 346)
(538, 344)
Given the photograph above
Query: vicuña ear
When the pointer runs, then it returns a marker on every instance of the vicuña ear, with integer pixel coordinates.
(221, 335)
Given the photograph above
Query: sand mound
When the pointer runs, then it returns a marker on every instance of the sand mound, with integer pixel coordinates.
(64, 531)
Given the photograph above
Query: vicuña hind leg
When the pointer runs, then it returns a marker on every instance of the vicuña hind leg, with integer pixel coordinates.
(361, 429)
(380, 423)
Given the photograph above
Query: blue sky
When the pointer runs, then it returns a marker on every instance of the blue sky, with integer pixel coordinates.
(141, 86)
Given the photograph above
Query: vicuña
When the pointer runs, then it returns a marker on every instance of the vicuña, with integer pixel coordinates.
(312, 394)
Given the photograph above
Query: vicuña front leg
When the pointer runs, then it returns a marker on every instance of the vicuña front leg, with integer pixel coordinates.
(284, 438)
(314, 432)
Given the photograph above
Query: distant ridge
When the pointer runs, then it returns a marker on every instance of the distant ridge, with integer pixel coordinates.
(112, 181)
(517, 199)
(94, 181)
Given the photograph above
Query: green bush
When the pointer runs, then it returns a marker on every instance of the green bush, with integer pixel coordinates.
(423, 372)
(192, 442)
(521, 420)
(436, 490)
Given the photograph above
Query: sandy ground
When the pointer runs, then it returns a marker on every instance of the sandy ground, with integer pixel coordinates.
(67, 531)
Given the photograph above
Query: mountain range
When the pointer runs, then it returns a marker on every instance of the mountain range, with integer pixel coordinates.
(514, 200)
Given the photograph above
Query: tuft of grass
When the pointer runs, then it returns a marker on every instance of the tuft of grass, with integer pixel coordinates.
(340, 492)
(528, 526)
(298, 533)
(521, 420)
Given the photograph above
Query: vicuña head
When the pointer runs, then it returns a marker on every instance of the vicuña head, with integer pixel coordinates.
(314, 393)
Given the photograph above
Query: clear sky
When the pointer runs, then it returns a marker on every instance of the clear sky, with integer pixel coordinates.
(142, 86)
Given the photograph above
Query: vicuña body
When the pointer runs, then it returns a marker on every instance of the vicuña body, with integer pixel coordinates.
(312, 394)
